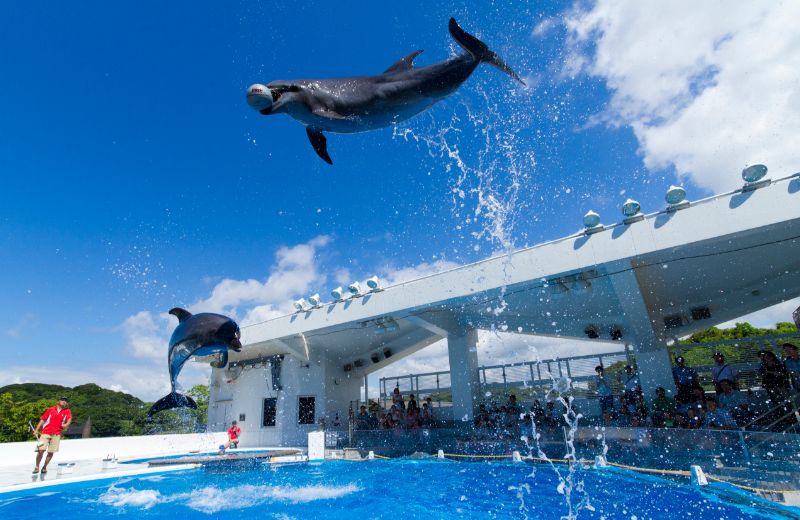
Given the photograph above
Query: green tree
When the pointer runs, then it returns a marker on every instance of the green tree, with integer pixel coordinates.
(15, 416)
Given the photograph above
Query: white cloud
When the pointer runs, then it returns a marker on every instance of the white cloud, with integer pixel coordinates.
(544, 27)
(147, 334)
(707, 87)
(767, 318)
(294, 272)
(26, 320)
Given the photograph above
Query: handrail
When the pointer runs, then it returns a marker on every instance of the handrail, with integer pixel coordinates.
(792, 402)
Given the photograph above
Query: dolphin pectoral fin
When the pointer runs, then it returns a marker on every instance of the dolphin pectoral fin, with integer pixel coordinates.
(171, 400)
(320, 144)
(404, 63)
(479, 50)
(181, 314)
(221, 361)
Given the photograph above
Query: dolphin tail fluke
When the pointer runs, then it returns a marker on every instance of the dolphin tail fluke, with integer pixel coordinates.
(171, 400)
(479, 50)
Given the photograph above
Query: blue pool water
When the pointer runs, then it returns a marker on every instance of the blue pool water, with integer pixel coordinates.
(398, 489)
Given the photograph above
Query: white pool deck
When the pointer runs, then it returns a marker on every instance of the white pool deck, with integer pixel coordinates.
(17, 458)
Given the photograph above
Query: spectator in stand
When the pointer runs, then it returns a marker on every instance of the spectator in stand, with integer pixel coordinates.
(663, 408)
(792, 364)
(537, 413)
(397, 416)
(430, 406)
(693, 419)
(362, 419)
(685, 378)
(483, 419)
(553, 417)
(722, 370)
(386, 422)
(632, 388)
(425, 416)
(774, 378)
(413, 421)
(412, 402)
(734, 402)
(512, 407)
(603, 391)
(397, 398)
(717, 418)
(640, 411)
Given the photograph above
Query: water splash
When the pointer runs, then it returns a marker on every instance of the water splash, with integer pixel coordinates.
(487, 158)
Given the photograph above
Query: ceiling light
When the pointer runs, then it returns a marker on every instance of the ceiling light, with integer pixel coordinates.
(314, 300)
(374, 284)
(354, 288)
(337, 294)
(616, 333)
(300, 305)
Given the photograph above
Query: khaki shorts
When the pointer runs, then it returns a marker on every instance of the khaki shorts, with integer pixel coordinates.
(48, 442)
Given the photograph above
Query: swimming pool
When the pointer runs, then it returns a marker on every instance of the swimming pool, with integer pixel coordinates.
(427, 489)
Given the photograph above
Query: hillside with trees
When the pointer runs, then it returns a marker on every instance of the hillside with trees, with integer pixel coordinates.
(111, 413)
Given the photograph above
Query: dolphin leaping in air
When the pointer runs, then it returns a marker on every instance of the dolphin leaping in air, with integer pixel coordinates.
(203, 334)
(363, 103)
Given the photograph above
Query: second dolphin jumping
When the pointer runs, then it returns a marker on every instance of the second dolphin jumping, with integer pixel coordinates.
(363, 103)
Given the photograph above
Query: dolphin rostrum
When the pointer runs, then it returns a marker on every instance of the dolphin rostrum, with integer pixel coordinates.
(203, 334)
(363, 103)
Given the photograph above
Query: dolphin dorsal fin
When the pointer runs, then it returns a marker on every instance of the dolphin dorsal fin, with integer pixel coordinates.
(181, 314)
(405, 63)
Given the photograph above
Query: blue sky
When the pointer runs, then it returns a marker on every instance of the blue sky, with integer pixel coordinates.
(136, 178)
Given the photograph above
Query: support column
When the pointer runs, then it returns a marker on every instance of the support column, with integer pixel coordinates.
(462, 350)
(649, 346)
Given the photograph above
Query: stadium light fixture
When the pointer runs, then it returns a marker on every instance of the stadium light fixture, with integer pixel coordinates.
(374, 284)
(632, 211)
(337, 294)
(314, 300)
(355, 289)
(591, 223)
(300, 305)
(754, 177)
(676, 198)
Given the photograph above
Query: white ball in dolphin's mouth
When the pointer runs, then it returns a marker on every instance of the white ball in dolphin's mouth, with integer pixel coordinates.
(259, 96)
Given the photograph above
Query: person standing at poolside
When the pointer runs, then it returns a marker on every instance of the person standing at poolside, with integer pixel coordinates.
(685, 379)
(792, 364)
(722, 370)
(604, 391)
(233, 436)
(53, 422)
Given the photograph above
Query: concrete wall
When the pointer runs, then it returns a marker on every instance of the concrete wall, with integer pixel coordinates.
(320, 378)
(22, 453)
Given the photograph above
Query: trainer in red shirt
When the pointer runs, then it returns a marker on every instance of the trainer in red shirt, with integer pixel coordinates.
(54, 419)
(233, 436)
(53, 422)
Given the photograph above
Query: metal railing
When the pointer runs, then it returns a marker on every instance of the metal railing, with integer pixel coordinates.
(526, 378)
(742, 354)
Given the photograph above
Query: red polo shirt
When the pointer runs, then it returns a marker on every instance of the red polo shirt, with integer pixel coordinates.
(234, 432)
(54, 420)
